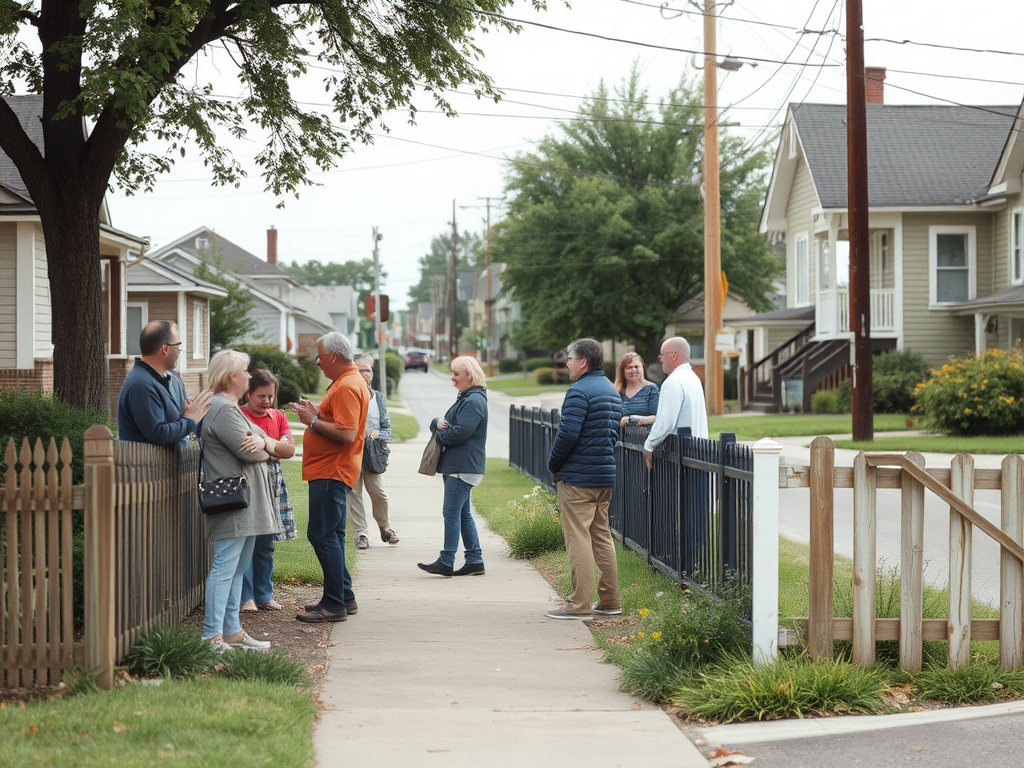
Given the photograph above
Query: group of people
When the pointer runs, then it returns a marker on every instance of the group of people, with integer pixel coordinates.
(242, 434)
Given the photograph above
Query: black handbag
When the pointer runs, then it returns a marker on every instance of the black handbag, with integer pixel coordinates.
(227, 494)
(375, 456)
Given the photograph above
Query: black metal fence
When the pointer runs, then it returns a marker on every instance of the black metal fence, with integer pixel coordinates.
(690, 516)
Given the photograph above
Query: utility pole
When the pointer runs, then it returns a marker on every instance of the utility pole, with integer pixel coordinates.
(382, 378)
(712, 220)
(490, 296)
(861, 392)
(453, 291)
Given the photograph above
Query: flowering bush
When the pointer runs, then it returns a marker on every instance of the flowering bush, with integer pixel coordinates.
(976, 396)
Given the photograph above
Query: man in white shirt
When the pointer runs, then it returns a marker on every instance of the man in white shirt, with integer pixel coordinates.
(681, 403)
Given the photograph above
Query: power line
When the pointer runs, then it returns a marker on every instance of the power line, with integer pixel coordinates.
(940, 45)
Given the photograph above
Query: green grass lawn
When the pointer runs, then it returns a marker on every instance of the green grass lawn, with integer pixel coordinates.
(798, 424)
(939, 444)
(403, 427)
(521, 386)
(203, 722)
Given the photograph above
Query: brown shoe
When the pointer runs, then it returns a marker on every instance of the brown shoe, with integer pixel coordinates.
(350, 608)
(321, 616)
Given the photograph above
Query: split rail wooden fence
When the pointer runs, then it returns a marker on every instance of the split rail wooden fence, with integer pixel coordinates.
(145, 555)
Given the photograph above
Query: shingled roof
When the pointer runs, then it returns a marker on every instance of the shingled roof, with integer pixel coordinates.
(918, 155)
(28, 109)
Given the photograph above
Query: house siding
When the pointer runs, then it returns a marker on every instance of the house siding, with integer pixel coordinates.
(43, 312)
(938, 333)
(266, 322)
(8, 297)
(190, 303)
(799, 218)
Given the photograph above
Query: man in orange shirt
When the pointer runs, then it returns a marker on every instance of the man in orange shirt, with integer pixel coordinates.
(332, 458)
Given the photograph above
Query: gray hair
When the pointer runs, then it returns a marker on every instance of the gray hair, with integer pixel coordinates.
(361, 356)
(589, 350)
(337, 343)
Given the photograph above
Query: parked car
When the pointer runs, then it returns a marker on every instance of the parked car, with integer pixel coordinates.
(416, 358)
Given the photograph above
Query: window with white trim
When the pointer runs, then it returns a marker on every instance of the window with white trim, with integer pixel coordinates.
(803, 270)
(1017, 246)
(197, 331)
(136, 317)
(951, 261)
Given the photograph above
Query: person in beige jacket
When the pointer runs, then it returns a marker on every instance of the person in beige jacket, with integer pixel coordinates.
(232, 445)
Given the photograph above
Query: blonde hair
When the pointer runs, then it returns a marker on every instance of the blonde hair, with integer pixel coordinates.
(224, 364)
(472, 367)
(620, 371)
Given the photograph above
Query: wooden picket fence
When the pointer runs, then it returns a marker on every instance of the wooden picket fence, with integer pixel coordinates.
(954, 485)
(145, 555)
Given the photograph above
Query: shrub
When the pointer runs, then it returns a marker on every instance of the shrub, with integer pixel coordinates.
(171, 651)
(311, 373)
(536, 527)
(393, 365)
(544, 375)
(291, 378)
(275, 667)
(966, 685)
(43, 415)
(975, 396)
(738, 689)
(508, 365)
(825, 402)
(843, 402)
(533, 363)
(895, 375)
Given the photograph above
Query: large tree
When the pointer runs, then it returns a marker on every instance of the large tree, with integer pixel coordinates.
(604, 234)
(469, 251)
(120, 67)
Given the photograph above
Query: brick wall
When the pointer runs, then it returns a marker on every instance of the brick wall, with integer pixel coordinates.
(117, 371)
(40, 377)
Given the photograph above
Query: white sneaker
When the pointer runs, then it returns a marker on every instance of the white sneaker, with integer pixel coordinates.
(362, 541)
(218, 644)
(248, 643)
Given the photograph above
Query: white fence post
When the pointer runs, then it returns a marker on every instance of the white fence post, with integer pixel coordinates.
(764, 572)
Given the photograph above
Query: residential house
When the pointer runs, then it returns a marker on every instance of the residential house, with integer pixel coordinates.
(327, 308)
(278, 316)
(160, 291)
(26, 332)
(489, 291)
(945, 220)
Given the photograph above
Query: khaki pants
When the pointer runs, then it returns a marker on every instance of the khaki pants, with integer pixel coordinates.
(588, 541)
(378, 499)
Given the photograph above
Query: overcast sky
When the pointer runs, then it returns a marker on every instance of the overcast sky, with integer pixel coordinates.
(405, 183)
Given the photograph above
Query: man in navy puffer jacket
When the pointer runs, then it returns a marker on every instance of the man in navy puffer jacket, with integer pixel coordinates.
(582, 462)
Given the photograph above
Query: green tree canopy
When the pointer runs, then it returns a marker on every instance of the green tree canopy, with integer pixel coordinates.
(358, 274)
(121, 68)
(604, 234)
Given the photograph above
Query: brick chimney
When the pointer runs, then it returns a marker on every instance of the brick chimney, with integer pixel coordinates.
(874, 85)
(272, 246)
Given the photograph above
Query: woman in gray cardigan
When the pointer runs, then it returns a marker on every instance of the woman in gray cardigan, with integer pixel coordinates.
(233, 445)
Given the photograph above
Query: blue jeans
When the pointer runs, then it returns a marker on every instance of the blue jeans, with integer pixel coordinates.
(258, 581)
(224, 585)
(326, 532)
(459, 520)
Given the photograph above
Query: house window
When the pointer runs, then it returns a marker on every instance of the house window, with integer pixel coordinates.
(1017, 245)
(197, 331)
(826, 265)
(136, 318)
(202, 244)
(803, 271)
(951, 256)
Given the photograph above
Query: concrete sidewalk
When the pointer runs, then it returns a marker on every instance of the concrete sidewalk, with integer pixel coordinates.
(468, 671)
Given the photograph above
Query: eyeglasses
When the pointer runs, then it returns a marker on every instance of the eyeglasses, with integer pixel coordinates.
(572, 358)
(366, 370)
(176, 345)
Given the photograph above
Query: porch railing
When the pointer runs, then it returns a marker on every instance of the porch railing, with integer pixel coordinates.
(883, 309)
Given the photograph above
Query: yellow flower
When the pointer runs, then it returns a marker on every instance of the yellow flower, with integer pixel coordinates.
(967, 411)
(644, 613)
(656, 635)
(640, 634)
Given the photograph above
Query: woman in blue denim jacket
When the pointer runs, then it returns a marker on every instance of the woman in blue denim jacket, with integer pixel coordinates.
(462, 434)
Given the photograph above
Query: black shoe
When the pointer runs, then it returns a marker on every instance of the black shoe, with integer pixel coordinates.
(350, 608)
(470, 569)
(321, 616)
(437, 568)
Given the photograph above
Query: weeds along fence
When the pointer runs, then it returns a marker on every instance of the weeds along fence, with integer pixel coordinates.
(690, 516)
(955, 485)
(85, 568)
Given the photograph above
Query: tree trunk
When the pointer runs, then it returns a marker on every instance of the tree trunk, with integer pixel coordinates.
(71, 230)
